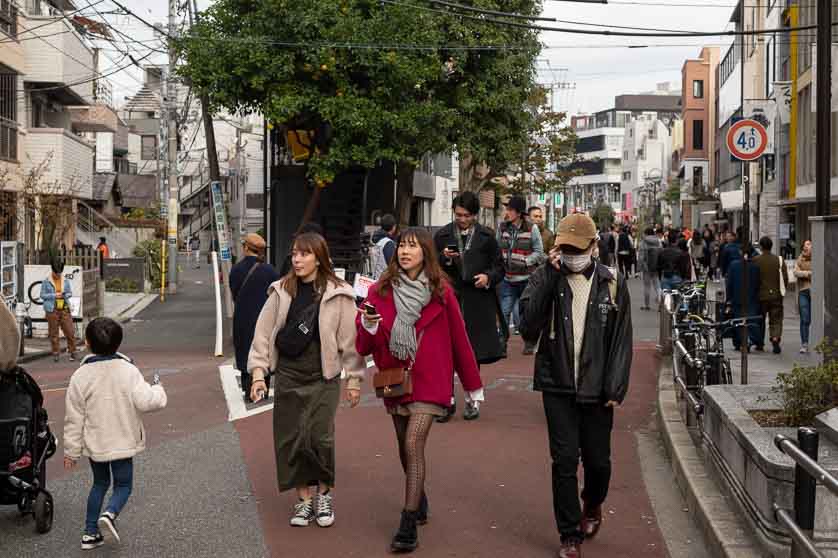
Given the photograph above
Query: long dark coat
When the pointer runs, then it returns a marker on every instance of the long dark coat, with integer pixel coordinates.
(480, 307)
(249, 302)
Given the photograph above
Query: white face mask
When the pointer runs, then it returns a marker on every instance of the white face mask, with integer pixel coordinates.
(577, 262)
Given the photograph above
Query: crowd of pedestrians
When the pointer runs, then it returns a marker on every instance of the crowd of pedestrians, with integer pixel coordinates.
(441, 305)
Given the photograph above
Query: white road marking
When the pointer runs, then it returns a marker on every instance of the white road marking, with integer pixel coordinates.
(233, 394)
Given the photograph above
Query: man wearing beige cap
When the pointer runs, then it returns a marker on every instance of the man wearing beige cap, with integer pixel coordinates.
(249, 282)
(582, 314)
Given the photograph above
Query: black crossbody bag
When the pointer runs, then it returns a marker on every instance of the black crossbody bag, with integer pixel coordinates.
(294, 338)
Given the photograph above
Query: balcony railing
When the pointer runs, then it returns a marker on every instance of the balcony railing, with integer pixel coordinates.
(64, 59)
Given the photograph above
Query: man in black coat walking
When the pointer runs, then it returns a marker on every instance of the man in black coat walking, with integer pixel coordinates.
(582, 315)
(249, 282)
(470, 255)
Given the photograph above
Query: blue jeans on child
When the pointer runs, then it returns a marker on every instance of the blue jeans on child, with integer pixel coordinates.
(123, 478)
(804, 299)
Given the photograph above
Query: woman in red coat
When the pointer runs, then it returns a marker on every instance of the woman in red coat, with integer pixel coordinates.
(417, 320)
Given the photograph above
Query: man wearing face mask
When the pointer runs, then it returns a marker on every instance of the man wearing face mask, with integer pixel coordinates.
(582, 314)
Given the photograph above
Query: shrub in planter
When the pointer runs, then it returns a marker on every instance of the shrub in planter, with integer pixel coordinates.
(808, 391)
(122, 285)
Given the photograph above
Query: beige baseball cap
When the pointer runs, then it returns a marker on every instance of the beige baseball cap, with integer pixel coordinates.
(577, 229)
(255, 242)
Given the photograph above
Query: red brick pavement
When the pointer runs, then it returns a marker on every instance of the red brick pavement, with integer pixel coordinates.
(488, 481)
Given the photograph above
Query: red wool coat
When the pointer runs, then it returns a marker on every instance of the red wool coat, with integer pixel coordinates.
(444, 348)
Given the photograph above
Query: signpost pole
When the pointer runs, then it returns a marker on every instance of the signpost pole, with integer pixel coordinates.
(223, 242)
(746, 140)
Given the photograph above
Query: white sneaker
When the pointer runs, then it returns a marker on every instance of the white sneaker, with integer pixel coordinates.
(804, 349)
(325, 510)
(303, 513)
(107, 525)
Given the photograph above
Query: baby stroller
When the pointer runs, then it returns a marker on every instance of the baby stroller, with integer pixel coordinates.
(25, 445)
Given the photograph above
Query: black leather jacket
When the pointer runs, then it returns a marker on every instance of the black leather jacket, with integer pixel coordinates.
(605, 361)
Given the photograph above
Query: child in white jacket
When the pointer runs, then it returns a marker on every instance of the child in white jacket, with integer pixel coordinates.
(104, 401)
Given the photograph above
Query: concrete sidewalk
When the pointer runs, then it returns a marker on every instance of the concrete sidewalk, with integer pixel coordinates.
(122, 307)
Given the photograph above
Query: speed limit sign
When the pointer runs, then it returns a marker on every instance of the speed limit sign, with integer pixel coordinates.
(747, 140)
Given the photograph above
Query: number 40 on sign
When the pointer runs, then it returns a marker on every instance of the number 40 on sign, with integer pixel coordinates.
(747, 140)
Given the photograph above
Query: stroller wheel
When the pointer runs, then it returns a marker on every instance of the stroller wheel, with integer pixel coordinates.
(43, 511)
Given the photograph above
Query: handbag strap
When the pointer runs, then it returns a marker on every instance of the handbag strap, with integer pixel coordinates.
(247, 278)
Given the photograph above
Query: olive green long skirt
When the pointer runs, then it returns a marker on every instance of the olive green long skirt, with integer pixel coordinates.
(305, 405)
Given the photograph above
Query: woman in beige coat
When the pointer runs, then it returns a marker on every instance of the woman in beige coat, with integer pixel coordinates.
(305, 336)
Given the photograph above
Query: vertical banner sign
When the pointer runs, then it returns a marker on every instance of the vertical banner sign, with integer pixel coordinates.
(220, 221)
(782, 94)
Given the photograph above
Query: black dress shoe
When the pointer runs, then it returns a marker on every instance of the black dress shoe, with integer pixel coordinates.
(406, 539)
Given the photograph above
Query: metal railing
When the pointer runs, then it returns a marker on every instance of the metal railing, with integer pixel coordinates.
(807, 474)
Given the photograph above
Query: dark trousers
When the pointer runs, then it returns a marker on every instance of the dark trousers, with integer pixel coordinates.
(773, 309)
(577, 430)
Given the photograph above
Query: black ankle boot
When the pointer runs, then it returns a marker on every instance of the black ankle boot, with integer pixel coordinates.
(405, 539)
(422, 512)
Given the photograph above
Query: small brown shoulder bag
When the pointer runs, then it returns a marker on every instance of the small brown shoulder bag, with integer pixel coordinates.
(395, 382)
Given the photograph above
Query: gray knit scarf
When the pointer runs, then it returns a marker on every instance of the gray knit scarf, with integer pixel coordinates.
(410, 297)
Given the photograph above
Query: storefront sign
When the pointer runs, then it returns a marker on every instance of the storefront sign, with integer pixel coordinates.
(220, 221)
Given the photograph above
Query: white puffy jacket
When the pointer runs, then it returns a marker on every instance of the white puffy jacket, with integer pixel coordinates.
(104, 402)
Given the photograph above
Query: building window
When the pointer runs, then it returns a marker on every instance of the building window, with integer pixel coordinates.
(627, 175)
(698, 179)
(698, 88)
(148, 148)
(8, 116)
(8, 18)
(698, 134)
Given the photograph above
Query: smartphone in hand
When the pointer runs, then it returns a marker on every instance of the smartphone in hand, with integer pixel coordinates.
(370, 310)
(453, 248)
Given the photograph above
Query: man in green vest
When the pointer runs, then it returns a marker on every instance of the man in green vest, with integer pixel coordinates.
(522, 250)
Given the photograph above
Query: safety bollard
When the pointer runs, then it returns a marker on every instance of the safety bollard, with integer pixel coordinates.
(664, 346)
(804, 489)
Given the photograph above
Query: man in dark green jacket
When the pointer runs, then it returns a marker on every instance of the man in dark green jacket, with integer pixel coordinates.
(582, 314)
(773, 280)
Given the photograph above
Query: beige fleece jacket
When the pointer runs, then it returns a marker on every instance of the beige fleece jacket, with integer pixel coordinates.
(337, 334)
(103, 406)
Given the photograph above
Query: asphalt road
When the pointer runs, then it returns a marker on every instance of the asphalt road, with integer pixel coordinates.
(206, 487)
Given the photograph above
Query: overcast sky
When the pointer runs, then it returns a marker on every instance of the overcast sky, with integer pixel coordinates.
(600, 67)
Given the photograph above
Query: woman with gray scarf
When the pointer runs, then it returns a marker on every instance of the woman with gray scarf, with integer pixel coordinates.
(411, 319)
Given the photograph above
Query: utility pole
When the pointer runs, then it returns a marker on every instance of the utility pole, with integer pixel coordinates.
(744, 342)
(824, 132)
(171, 106)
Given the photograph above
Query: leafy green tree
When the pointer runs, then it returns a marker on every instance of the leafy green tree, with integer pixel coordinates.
(603, 216)
(373, 80)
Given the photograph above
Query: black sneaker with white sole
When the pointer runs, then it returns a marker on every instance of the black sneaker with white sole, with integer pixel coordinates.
(107, 525)
(303, 513)
(325, 510)
(89, 542)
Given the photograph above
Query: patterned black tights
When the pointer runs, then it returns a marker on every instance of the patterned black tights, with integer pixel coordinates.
(412, 433)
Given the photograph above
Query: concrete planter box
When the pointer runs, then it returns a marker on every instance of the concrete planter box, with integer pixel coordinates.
(756, 472)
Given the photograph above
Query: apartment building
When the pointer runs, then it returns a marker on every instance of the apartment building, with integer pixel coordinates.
(647, 156)
(601, 146)
(51, 106)
(796, 154)
(694, 140)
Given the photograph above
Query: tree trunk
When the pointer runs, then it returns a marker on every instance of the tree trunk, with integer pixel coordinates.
(404, 192)
(469, 181)
(311, 206)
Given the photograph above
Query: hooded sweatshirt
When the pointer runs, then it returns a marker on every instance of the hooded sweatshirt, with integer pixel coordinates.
(650, 249)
